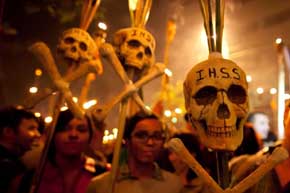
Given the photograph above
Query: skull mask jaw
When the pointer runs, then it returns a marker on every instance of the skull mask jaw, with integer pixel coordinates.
(216, 98)
(216, 139)
(135, 48)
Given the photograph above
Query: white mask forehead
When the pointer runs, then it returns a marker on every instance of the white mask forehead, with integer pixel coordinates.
(210, 73)
(218, 72)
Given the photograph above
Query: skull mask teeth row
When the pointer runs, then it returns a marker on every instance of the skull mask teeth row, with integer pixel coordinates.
(216, 99)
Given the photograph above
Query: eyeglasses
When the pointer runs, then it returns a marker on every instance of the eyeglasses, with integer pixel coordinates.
(143, 136)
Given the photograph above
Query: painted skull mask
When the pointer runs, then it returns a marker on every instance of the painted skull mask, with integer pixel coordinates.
(76, 46)
(216, 99)
(135, 48)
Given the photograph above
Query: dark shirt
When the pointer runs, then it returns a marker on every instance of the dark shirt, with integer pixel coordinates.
(286, 189)
(271, 138)
(10, 167)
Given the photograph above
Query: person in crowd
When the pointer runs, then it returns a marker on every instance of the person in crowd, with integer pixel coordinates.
(188, 125)
(139, 172)
(283, 170)
(246, 156)
(67, 169)
(207, 155)
(278, 179)
(31, 158)
(251, 143)
(261, 125)
(96, 148)
(191, 182)
(18, 133)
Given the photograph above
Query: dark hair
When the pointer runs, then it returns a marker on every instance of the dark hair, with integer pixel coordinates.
(41, 125)
(132, 122)
(187, 117)
(11, 117)
(63, 119)
(250, 143)
(192, 144)
(190, 141)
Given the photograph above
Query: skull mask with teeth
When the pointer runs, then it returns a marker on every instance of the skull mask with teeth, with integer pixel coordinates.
(76, 46)
(216, 99)
(135, 48)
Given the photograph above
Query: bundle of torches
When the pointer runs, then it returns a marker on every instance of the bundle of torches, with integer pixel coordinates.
(80, 52)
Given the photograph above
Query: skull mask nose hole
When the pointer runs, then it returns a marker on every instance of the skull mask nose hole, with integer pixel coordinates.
(223, 112)
(73, 49)
(140, 55)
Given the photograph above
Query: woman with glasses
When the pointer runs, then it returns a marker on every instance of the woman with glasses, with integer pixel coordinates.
(139, 172)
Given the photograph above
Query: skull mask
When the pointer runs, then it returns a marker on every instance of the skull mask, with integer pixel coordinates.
(76, 46)
(135, 47)
(217, 101)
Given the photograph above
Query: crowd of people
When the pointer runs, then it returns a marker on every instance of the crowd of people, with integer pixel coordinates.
(72, 166)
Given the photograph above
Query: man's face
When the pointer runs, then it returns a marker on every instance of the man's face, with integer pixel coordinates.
(73, 140)
(146, 140)
(27, 135)
(261, 125)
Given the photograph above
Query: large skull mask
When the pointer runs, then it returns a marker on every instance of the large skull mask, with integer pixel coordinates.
(76, 46)
(135, 47)
(217, 101)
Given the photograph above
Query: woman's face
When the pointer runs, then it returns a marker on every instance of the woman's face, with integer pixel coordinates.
(146, 140)
(261, 125)
(73, 140)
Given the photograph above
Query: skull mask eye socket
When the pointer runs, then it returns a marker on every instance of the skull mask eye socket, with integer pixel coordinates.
(83, 46)
(237, 94)
(134, 43)
(148, 52)
(69, 40)
(206, 95)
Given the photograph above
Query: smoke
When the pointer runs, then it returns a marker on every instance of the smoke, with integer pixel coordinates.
(176, 10)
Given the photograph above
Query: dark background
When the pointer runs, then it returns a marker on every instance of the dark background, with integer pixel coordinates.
(251, 27)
